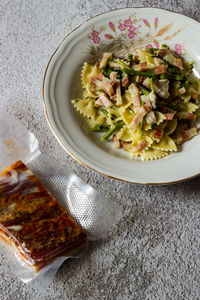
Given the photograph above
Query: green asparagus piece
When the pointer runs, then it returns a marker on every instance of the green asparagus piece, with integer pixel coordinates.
(173, 76)
(104, 111)
(124, 65)
(100, 128)
(144, 90)
(151, 84)
(142, 73)
(112, 130)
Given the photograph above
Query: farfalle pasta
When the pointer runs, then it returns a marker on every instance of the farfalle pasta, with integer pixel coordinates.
(146, 103)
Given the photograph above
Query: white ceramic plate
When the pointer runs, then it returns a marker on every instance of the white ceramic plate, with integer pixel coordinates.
(114, 30)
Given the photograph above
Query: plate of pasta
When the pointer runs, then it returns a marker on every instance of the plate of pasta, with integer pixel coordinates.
(121, 94)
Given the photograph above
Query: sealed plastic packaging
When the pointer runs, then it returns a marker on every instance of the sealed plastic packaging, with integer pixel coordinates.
(41, 231)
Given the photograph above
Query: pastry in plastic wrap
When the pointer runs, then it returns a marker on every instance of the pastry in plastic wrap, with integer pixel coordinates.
(32, 220)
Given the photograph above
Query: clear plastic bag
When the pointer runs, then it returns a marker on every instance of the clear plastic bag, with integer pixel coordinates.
(90, 209)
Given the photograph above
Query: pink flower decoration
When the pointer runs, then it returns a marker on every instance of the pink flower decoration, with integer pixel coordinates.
(149, 46)
(156, 23)
(178, 49)
(128, 22)
(140, 26)
(132, 28)
(95, 33)
(122, 27)
(111, 25)
(131, 34)
(146, 22)
(96, 39)
(108, 36)
(157, 44)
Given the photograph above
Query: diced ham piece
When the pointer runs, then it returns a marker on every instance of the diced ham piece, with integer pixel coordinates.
(106, 57)
(172, 59)
(140, 67)
(118, 93)
(186, 135)
(151, 118)
(158, 61)
(100, 76)
(113, 97)
(115, 65)
(123, 144)
(162, 52)
(104, 98)
(195, 96)
(141, 146)
(169, 116)
(125, 80)
(160, 87)
(107, 87)
(139, 117)
(160, 69)
(158, 133)
(113, 75)
(135, 93)
(186, 115)
(99, 102)
(179, 63)
(146, 100)
(92, 80)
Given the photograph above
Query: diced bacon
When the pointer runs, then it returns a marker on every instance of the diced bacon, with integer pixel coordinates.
(123, 144)
(125, 80)
(104, 98)
(99, 102)
(113, 75)
(161, 52)
(100, 76)
(186, 135)
(169, 116)
(141, 146)
(158, 133)
(113, 97)
(195, 96)
(135, 93)
(140, 67)
(179, 63)
(146, 100)
(186, 115)
(163, 109)
(115, 65)
(158, 61)
(160, 69)
(118, 93)
(92, 80)
(160, 87)
(151, 118)
(139, 117)
(107, 87)
(106, 57)
(116, 142)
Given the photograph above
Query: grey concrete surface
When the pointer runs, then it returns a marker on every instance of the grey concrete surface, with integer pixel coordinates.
(154, 251)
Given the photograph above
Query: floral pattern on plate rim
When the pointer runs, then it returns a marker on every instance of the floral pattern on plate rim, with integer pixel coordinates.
(131, 28)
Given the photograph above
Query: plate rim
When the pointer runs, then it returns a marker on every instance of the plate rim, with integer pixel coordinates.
(45, 107)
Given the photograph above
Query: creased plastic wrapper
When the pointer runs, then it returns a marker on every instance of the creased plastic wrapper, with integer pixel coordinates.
(93, 214)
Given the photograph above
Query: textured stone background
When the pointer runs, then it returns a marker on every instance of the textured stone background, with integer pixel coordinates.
(154, 253)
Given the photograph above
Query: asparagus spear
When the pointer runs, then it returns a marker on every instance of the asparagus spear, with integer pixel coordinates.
(144, 90)
(112, 130)
(100, 128)
(142, 73)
